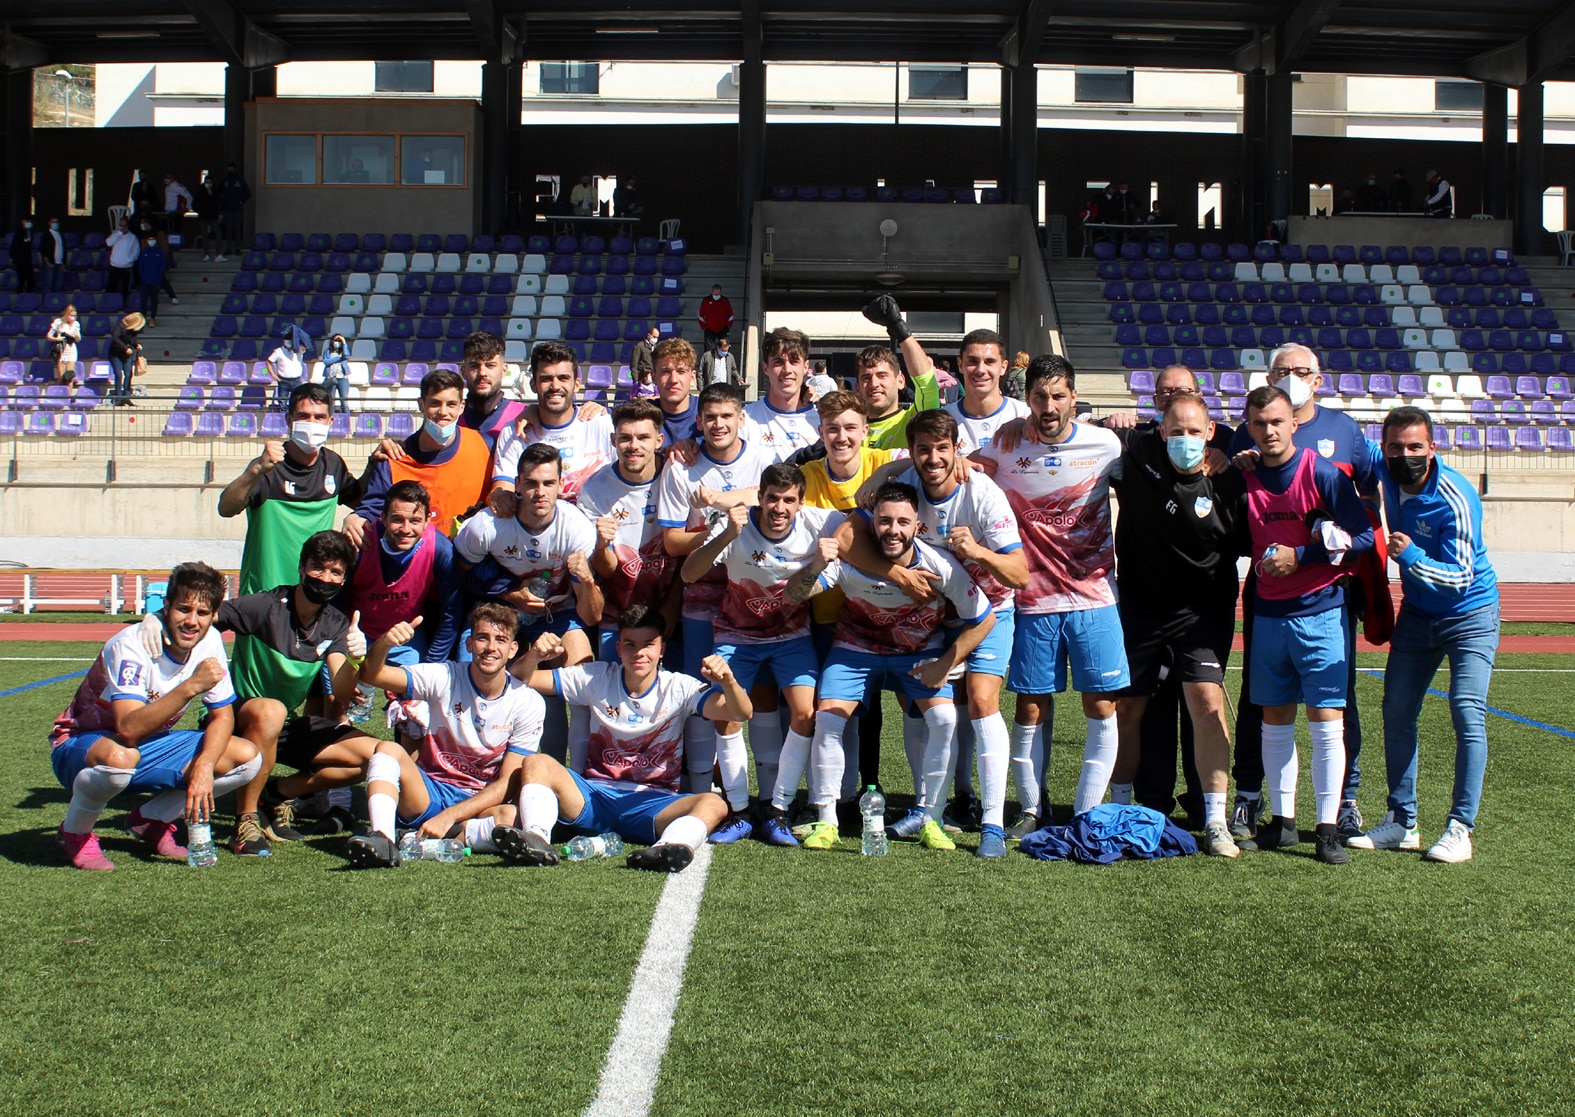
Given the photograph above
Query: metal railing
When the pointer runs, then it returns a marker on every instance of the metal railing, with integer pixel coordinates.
(30, 591)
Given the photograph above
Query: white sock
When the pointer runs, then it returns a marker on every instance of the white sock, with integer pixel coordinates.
(940, 726)
(579, 736)
(1279, 768)
(1328, 767)
(790, 769)
(1028, 764)
(765, 743)
(993, 751)
(166, 806)
(699, 755)
(538, 809)
(1213, 808)
(1121, 794)
(686, 831)
(913, 737)
(91, 792)
(965, 748)
(826, 762)
(733, 758)
(1099, 760)
(340, 797)
(478, 835)
(381, 807)
(237, 777)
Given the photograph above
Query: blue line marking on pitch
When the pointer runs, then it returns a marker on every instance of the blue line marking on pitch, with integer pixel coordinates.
(41, 682)
(1505, 714)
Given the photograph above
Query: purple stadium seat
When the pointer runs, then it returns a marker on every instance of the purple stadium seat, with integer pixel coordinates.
(1560, 440)
(401, 425)
(221, 398)
(1498, 438)
(178, 425)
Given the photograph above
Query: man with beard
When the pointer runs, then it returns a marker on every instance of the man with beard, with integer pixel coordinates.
(487, 411)
(584, 444)
(880, 380)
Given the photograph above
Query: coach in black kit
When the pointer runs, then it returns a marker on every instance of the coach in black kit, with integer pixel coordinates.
(1178, 536)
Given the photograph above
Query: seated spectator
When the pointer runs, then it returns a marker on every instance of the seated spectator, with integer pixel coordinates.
(1370, 197)
(583, 199)
(626, 201)
(1346, 202)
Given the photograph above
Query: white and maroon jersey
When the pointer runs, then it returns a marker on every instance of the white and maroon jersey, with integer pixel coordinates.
(881, 619)
(673, 510)
(636, 739)
(975, 433)
(584, 447)
(124, 669)
(979, 505)
(1061, 495)
(523, 552)
(645, 569)
(780, 434)
(467, 734)
(753, 609)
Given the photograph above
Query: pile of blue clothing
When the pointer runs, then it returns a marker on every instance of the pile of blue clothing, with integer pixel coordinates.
(1108, 833)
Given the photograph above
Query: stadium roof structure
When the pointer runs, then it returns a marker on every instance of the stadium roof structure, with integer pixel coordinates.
(1515, 42)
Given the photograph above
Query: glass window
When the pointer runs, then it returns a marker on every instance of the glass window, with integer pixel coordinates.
(403, 77)
(358, 160)
(1457, 96)
(291, 160)
(570, 77)
(432, 160)
(938, 83)
(1111, 87)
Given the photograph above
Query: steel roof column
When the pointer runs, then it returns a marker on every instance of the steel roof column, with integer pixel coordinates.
(500, 120)
(1495, 150)
(237, 91)
(1528, 171)
(751, 118)
(1003, 170)
(265, 82)
(16, 185)
(1277, 151)
(1025, 137)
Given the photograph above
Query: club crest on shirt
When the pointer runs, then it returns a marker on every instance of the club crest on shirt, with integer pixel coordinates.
(1326, 447)
(757, 558)
(322, 647)
(1202, 507)
(330, 484)
(130, 674)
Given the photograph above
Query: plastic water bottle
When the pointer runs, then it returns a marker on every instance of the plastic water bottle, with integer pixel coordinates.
(413, 847)
(584, 848)
(541, 583)
(872, 806)
(200, 853)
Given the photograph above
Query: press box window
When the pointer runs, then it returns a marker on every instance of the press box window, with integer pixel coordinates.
(403, 77)
(432, 160)
(1457, 96)
(570, 77)
(938, 83)
(358, 160)
(1105, 87)
(291, 160)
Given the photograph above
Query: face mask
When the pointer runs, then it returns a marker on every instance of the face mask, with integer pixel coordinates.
(320, 591)
(1298, 389)
(54, 226)
(27, 224)
(1185, 450)
(1407, 470)
(1371, 181)
(308, 435)
(439, 431)
(339, 347)
(153, 244)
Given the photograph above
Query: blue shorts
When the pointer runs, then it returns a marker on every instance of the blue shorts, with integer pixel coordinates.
(994, 653)
(699, 642)
(607, 645)
(789, 662)
(1089, 638)
(161, 764)
(1300, 660)
(441, 796)
(849, 676)
(629, 812)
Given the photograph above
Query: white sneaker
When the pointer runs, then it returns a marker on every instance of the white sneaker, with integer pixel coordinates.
(207, 259)
(1388, 834)
(1453, 847)
(174, 300)
(220, 259)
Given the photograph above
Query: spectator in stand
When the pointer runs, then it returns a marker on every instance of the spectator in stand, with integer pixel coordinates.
(1107, 209)
(583, 200)
(336, 370)
(52, 257)
(626, 201)
(1128, 203)
(21, 247)
(1440, 202)
(1370, 197)
(209, 204)
(143, 198)
(233, 196)
(719, 366)
(1346, 202)
(1400, 193)
(177, 200)
(123, 251)
(716, 316)
(152, 267)
(64, 334)
(1014, 384)
(1156, 215)
(644, 360)
(288, 369)
(644, 386)
(819, 384)
(125, 350)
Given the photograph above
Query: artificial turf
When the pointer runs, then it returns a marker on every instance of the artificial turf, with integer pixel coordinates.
(927, 983)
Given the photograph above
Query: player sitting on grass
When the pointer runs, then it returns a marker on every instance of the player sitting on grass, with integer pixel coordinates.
(119, 732)
(884, 634)
(483, 723)
(635, 757)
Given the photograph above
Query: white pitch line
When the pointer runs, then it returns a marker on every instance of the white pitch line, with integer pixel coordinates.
(43, 659)
(634, 1062)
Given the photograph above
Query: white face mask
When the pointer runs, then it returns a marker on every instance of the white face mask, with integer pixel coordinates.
(1298, 389)
(308, 435)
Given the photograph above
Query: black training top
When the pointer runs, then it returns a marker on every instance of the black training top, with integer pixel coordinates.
(327, 478)
(270, 616)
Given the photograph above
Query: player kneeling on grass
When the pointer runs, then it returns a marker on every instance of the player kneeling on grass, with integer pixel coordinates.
(483, 724)
(635, 756)
(884, 634)
(118, 733)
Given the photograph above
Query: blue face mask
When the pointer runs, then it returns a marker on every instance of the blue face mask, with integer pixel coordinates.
(1185, 450)
(439, 431)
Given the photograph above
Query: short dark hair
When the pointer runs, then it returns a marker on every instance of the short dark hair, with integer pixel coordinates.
(1261, 397)
(896, 491)
(408, 492)
(783, 342)
(782, 475)
(641, 615)
(1402, 417)
(538, 454)
(552, 353)
(482, 345)
(934, 423)
(722, 393)
(317, 393)
(981, 337)
(441, 380)
(491, 612)
(638, 411)
(200, 581)
(872, 355)
(326, 547)
(1049, 366)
